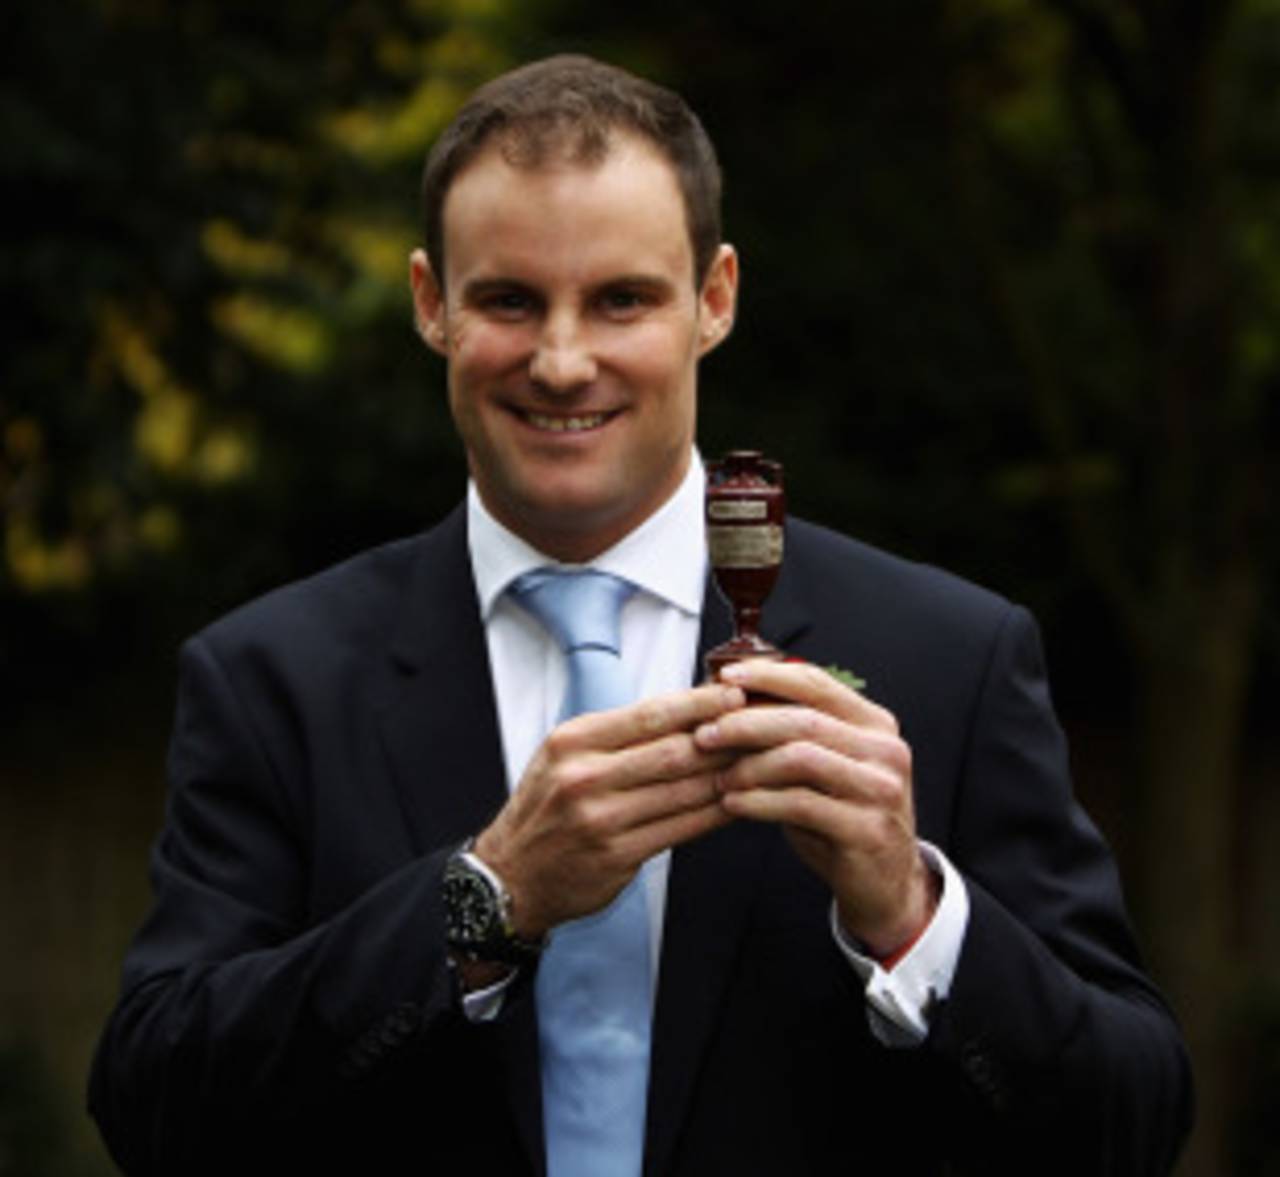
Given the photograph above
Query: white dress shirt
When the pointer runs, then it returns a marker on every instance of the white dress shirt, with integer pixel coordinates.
(666, 558)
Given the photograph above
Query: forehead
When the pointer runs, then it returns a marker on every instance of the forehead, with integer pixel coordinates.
(624, 207)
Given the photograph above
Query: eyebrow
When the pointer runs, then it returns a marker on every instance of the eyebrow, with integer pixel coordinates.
(637, 279)
(480, 287)
(656, 283)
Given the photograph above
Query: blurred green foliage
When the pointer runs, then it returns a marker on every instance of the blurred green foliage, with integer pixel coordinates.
(210, 320)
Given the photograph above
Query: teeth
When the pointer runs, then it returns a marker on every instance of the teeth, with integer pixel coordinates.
(565, 424)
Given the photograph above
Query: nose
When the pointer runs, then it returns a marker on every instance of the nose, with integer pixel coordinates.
(562, 358)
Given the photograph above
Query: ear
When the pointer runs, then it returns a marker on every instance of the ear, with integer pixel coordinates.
(428, 302)
(718, 299)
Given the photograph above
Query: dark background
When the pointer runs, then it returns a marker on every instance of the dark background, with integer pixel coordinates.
(1011, 304)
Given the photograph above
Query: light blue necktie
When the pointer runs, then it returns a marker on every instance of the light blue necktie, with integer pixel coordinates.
(593, 985)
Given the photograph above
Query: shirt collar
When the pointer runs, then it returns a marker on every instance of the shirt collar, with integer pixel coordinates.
(666, 555)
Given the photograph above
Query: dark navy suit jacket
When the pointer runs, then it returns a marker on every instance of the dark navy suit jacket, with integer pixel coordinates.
(287, 1006)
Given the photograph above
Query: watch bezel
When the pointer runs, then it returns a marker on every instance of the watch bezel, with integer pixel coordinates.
(477, 911)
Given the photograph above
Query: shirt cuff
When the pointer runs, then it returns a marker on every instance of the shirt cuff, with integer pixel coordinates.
(901, 1000)
(484, 1005)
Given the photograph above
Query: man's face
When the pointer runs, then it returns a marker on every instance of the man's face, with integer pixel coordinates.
(573, 330)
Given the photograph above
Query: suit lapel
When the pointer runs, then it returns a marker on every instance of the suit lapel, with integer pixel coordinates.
(709, 898)
(441, 736)
(440, 729)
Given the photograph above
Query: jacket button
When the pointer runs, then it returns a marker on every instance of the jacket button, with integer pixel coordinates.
(982, 1071)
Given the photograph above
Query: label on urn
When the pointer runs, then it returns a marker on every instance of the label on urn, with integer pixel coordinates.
(745, 547)
(733, 509)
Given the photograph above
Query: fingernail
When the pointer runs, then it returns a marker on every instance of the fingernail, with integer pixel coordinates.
(706, 735)
(733, 673)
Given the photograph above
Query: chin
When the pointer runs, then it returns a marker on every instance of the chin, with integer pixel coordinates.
(561, 494)
(573, 529)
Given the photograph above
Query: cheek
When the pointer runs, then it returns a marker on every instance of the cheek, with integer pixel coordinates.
(658, 358)
(478, 349)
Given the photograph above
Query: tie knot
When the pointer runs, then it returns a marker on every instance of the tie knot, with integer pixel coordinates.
(580, 609)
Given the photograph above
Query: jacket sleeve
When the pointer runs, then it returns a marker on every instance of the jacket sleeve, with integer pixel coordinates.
(1054, 1052)
(242, 1013)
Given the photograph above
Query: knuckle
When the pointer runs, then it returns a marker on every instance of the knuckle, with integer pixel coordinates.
(560, 741)
(892, 755)
(592, 819)
(886, 827)
(588, 820)
(652, 716)
(883, 790)
(675, 756)
(818, 678)
(575, 779)
(810, 724)
(808, 757)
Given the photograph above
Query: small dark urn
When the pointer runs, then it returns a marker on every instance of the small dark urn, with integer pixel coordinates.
(745, 509)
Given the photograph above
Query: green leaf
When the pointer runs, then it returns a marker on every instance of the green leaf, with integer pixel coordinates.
(850, 680)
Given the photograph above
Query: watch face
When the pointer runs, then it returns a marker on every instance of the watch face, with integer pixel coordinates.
(476, 921)
(470, 907)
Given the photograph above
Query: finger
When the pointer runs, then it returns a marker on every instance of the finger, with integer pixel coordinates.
(832, 820)
(819, 769)
(668, 758)
(803, 682)
(592, 777)
(656, 803)
(645, 841)
(605, 827)
(645, 721)
(768, 726)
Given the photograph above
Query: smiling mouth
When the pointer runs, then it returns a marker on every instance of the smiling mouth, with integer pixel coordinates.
(578, 424)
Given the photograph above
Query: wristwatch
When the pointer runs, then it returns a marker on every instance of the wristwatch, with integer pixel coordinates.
(477, 913)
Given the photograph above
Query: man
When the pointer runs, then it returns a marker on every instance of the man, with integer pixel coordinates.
(873, 930)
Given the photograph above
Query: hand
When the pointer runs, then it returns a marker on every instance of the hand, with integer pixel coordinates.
(603, 793)
(833, 769)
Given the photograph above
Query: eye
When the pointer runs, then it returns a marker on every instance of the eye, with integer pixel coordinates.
(625, 302)
(507, 303)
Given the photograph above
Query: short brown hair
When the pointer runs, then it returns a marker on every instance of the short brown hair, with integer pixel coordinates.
(571, 105)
